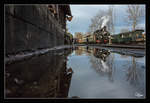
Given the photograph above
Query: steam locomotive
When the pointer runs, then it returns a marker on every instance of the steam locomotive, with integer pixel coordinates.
(102, 36)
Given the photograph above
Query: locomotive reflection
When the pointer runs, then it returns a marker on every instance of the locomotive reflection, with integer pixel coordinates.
(101, 53)
(103, 62)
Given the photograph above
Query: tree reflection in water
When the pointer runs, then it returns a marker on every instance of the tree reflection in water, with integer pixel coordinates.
(103, 62)
(132, 74)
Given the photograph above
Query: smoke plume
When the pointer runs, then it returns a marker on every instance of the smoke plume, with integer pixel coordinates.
(104, 20)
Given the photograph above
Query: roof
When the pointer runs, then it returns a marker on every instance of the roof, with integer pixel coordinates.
(88, 35)
(140, 30)
(67, 10)
(126, 33)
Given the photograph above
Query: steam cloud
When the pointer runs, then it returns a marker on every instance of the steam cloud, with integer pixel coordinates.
(105, 20)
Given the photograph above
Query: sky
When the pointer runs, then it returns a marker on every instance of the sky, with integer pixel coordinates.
(82, 15)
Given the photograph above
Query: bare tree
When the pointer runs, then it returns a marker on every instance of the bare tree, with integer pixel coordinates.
(112, 19)
(134, 12)
(96, 23)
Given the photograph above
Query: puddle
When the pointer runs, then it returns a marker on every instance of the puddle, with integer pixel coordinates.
(82, 72)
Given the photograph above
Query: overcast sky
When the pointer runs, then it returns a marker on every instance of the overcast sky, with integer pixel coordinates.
(82, 15)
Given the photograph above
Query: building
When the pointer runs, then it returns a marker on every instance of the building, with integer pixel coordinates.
(32, 27)
(84, 38)
(68, 38)
(78, 37)
(90, 38)
(61, 13)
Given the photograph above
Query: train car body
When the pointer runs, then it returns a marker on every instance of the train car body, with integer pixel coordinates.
(132, 37)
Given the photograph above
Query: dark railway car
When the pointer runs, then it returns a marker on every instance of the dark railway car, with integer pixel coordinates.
(132, 37)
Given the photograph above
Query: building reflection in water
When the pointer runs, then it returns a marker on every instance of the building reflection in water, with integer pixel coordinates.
(45, 76)
(83, 50)
(89, 51)
(103, 62)
(78, 50)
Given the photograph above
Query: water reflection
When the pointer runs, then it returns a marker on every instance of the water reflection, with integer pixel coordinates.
(132, 72)
(78, 50)
(103, 74)
(101, 53)
(46, 76)
(76, 73)
(103, 62)
(135, 76)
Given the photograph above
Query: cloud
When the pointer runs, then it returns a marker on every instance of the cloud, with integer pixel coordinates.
(82, 15)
